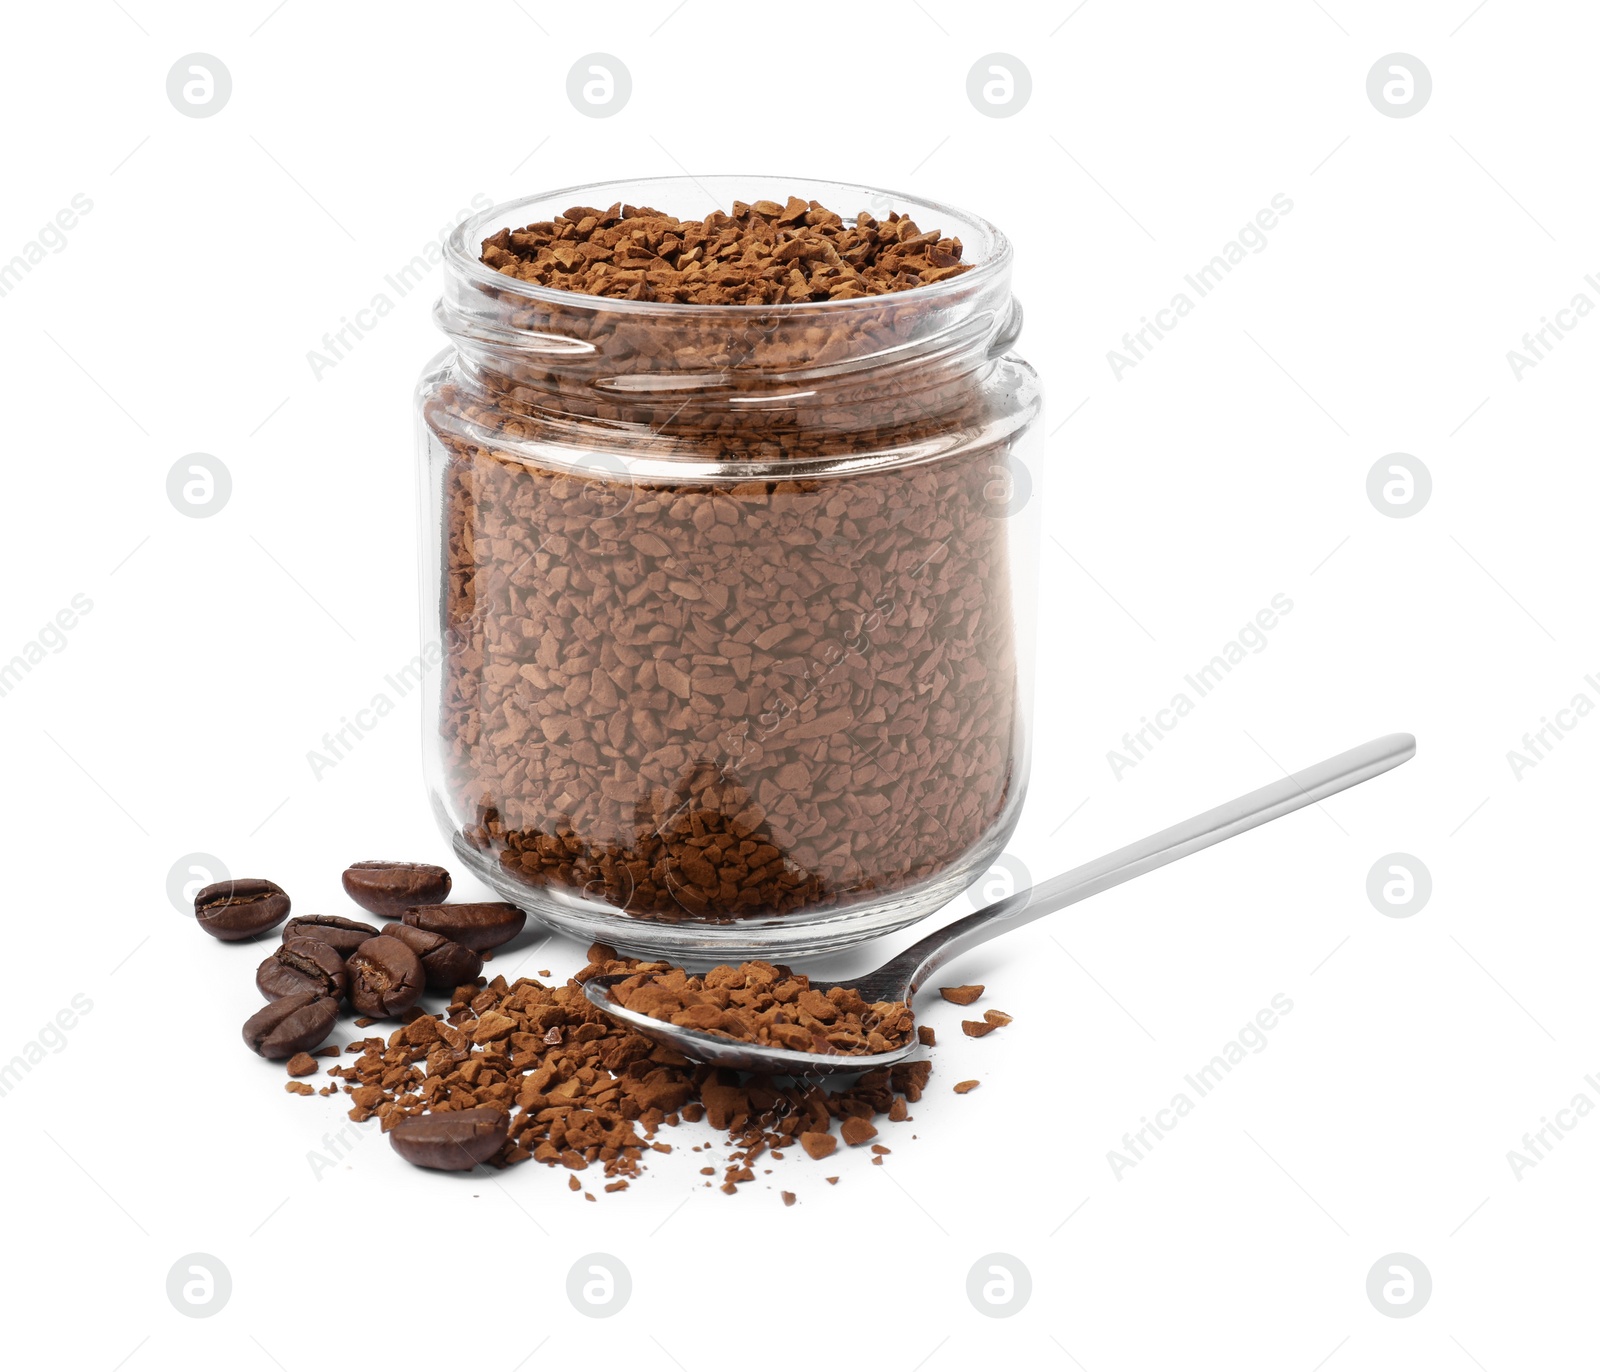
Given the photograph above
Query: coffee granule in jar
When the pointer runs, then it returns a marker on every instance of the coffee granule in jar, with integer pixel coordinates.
(785, 682)
(760, 254)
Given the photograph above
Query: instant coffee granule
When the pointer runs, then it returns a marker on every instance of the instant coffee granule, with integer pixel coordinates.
(584, 1091)
(761, 254)
(757, 1002)
(819, 702)
(707, 700)
(992, 1020)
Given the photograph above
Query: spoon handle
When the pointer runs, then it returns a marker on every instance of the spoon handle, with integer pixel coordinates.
(1307, 787)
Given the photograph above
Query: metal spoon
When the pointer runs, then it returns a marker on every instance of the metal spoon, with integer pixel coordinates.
(901, 977)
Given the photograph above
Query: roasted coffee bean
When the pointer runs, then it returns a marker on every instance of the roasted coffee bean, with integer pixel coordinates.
(341, 934)
(302, 964)
(241, 908)
(478, 927)
(386, 977)
(291, 1025)
(446, 963)
(452, 1140)
(390, 888)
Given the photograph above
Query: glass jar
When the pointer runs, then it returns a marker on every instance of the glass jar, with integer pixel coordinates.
(729, 608)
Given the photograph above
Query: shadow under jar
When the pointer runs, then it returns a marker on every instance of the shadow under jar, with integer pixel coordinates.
(729, 609)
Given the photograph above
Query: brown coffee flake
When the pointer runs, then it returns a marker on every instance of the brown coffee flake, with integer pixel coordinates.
(818, 1146)
(301, 1065)
(857, 1131)
(961, 995)
(962, 1087)
(761, 253)
(757, 1002)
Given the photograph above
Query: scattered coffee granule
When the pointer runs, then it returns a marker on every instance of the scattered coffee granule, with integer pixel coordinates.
(925, 1035)
(757, 1002)
(301, 1065)
(961, 995)
(583, 1090)
(962, 1087)
(300, 1088)
(992, 1020)
(761, 254)
(788, 1197)
(856, 1130)
(832, 1181)
(818, 1146)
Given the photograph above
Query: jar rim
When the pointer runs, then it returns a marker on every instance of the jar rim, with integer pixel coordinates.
(462, 247)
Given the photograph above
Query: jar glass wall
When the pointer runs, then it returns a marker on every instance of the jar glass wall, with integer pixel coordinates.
(730, 608)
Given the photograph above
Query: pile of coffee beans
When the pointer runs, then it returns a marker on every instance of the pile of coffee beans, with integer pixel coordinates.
(324, 960)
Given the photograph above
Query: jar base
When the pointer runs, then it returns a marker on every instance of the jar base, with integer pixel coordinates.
(771, 938)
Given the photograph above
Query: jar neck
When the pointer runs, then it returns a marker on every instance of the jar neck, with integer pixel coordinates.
(875, 368)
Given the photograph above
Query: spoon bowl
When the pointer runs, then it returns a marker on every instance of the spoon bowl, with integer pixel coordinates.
(703, 1046)
(900, 978)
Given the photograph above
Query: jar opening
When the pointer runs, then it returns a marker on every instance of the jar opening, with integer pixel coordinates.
(986, 249)
(702, 376)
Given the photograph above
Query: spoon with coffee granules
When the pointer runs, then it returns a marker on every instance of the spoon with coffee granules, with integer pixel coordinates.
(901, 977)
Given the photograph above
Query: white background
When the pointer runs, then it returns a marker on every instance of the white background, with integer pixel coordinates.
(1227, 467)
